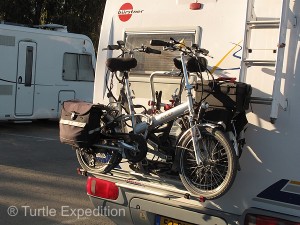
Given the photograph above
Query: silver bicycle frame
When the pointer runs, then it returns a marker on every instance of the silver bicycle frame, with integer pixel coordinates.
(169, 114)
(194, 130)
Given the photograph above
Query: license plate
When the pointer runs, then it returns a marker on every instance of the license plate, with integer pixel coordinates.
(161, 220)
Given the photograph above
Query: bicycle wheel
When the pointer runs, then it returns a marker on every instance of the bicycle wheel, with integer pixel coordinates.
(216, 173)
(96, 160)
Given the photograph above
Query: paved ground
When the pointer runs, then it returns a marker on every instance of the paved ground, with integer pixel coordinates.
(38, 178)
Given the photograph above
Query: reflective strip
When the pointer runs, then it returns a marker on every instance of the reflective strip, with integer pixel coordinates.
(72, 123)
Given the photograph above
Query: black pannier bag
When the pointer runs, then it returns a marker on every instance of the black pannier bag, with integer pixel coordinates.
(79, 123)
(228, 101)
(229, 118)
(226, 94)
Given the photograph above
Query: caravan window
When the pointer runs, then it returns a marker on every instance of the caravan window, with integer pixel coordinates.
(147, 63)
(77, 67)
(70, 67)
(85, 68)
(29, 64)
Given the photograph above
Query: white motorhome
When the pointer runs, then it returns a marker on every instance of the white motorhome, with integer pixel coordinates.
(40, 68)
(254, 41)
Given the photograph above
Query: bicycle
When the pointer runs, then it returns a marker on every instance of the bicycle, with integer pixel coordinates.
(207, 157)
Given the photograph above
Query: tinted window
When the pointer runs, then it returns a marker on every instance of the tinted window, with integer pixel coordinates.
(29, 63)
(77, 67)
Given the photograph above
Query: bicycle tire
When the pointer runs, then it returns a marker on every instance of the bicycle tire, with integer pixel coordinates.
(104, 163)
(215, 175)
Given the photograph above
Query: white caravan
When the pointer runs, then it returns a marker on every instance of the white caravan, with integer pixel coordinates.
(42, 67)
(256, 42)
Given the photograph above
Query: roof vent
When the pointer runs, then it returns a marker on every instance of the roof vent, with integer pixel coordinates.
(55, 27)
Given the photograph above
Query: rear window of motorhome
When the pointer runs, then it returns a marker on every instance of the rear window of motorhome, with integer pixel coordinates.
(77, 67)
(147, 63)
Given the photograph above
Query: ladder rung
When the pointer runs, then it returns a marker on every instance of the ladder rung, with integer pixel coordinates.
(254, 62)
(264, 24)
(259, 100)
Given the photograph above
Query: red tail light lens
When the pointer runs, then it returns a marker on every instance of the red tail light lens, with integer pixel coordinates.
(195, 6)
(252, 219)
(102, 188)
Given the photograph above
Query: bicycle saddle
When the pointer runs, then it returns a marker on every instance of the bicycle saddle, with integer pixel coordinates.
(121, 64)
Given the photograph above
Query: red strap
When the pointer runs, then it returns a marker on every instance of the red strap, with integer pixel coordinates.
(230, 79)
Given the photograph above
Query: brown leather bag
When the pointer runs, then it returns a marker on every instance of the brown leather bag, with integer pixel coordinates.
(79, 123)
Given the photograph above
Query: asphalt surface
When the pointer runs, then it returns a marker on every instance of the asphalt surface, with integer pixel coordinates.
(38, 180)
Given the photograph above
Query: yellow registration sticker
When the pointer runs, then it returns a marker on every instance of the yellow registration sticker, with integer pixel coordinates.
(161, 220)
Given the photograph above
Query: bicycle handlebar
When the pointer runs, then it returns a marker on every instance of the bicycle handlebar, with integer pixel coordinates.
(173, 45)
(121, 46)
(203, 51)
(151, 50)
(160, 43)
(112, 47)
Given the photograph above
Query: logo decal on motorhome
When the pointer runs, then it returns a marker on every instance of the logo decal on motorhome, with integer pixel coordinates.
(126, 11)
(284, 192)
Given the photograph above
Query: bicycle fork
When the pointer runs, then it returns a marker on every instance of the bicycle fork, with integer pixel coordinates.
(196, 135)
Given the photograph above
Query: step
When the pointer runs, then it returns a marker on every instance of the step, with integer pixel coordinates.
(260, 100)
(255, 62)
(263, 24)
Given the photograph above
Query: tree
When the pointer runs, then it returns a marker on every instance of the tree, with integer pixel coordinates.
(80, 16)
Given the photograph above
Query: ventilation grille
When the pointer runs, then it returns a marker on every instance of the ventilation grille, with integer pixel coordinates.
(6, 89)
(7, 40)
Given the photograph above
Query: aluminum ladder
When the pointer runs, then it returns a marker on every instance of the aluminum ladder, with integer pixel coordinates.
(279, 23)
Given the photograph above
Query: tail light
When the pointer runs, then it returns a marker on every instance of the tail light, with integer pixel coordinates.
(195, 6)
(252, 219)
(102, 188)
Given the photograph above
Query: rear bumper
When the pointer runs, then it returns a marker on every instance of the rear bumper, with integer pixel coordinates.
(138, 199)
(136, 209)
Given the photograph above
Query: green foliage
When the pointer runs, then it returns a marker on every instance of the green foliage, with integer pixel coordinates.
(80, 16)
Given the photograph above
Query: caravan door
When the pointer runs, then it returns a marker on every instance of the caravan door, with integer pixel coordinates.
(25, 80)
